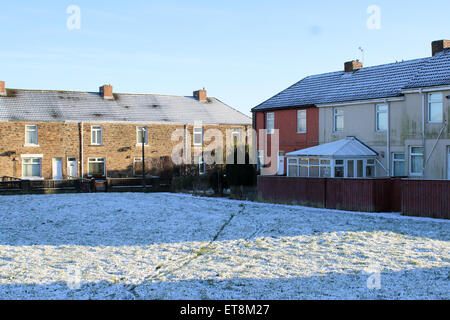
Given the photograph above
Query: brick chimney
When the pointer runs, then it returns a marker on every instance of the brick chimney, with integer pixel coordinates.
(106, 92)
(201, 95)
(352, 66)
(2, 89)
(439, 46)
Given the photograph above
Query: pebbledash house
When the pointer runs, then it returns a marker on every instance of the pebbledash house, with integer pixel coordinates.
(383, 121)
(49, 134)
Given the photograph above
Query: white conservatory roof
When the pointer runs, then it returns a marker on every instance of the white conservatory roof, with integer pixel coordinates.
(350, 147)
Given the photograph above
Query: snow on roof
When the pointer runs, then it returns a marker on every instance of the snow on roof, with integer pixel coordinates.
(350, 147)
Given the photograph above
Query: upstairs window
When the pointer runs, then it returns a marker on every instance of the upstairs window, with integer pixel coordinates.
(301, 121)
(339, 120)
(97, 135)
(31, 135)
(141, 135)
(198, 136)
(382, 117)
(435, 107)
(270, 123)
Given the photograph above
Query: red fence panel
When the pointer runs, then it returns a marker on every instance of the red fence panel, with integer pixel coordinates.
(411, 197)
(426, 198)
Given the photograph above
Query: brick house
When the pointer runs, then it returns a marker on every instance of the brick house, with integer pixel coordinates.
(49, 134)
(400, 111)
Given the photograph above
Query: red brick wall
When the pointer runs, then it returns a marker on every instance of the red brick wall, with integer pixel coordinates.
(286, 122)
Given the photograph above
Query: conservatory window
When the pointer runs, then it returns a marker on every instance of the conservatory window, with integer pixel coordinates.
(339, 169)
(292, 168)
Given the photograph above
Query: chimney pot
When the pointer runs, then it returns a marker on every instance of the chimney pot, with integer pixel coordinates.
(2, 88)
(352, 66)
(439, 46)
(201, 95)
(106, 92)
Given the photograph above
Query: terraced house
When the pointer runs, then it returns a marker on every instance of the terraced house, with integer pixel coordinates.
(48, 134)
(386, 120)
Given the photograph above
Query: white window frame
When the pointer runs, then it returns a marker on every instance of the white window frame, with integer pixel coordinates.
(31, 129)
(197, 133)
(301, 115)
(411, 155)
(32, 157)
(394, 160)
(96, 128)
(378, 113)
(270, 122)
(338, 112)
(431, 101)
(139, 135)
(200, 161)
(96, 160)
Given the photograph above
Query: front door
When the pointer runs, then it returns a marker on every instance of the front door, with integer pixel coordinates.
(280, 163)
(57, 169)
(72, 167)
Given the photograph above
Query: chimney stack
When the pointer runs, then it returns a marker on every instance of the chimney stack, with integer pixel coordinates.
(352, 66)
(106, 92)
(2, 89)
(201, 95)
(439, 46)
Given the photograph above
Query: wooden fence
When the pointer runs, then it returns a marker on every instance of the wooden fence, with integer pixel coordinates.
(411, 197)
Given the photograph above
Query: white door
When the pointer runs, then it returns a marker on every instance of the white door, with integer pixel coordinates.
(72, 167)
(280, 163)
(57, 169)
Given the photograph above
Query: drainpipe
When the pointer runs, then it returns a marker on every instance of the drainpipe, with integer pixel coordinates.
(423, 130)
(388, 138)
(82, 150)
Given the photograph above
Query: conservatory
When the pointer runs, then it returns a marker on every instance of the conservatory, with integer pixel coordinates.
(347, 158)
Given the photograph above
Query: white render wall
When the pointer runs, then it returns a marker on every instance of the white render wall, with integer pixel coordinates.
(406, 131)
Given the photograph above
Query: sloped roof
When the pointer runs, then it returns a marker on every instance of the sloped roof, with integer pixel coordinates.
(345, 148)
(45, 105)
(376, 82)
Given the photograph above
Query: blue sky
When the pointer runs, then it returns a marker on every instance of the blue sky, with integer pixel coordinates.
(243, 52)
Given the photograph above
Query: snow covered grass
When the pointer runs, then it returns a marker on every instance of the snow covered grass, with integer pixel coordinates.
(168, 246)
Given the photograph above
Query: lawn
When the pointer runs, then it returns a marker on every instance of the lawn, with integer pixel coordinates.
(169, 246)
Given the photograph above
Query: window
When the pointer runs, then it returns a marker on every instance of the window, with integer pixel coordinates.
(338, 120)
(382, 117)
(416, 161)
(96, 135)
(301, 121)
(370, 168)
(96, 167)
(292, 168)
(198, 136)
(270, 123)
(31, 135)
(398, 164)
(305, 167)
(435, 107)
(31, 168)
(139, 132)
(339, 168)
